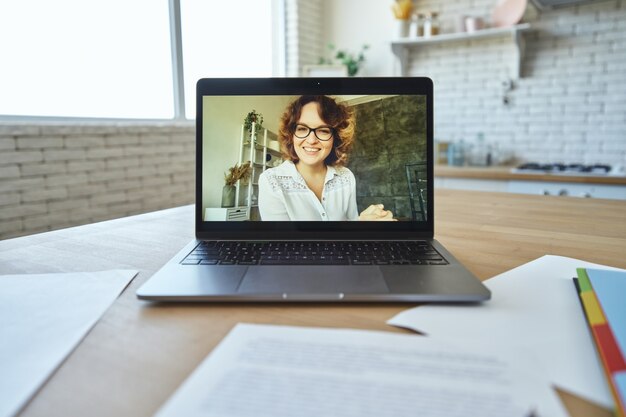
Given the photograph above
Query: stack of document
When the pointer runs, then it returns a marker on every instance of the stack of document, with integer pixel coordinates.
(43, 317)
(602, 294)
(534, 307)
(499, 358)
(280, 371)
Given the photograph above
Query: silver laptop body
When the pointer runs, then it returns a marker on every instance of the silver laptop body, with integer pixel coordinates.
(244, 252)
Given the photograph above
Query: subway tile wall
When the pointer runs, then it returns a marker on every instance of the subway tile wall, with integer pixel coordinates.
(569, 105)
(54, 176)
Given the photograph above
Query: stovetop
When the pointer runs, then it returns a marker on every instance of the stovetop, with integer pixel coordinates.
(569, 169)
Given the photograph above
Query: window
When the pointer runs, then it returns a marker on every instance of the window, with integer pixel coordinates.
(225, 39)
(112, 58)
(76, 58)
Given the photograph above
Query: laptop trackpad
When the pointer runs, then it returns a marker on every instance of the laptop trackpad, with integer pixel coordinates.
(313, 280)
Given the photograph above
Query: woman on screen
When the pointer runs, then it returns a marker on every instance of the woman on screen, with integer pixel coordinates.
(315, 135)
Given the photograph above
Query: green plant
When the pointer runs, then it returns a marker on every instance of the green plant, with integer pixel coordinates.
(253, 117)
(238, 172)
(351, 61)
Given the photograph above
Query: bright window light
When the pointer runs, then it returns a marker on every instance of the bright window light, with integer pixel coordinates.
(77, 58)
(224, 39)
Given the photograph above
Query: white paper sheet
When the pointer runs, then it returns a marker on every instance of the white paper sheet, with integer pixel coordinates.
(43, 317)
(262, 370)
(534, 306)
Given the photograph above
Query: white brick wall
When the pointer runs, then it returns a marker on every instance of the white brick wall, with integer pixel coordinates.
(60, 175)
(570, 105)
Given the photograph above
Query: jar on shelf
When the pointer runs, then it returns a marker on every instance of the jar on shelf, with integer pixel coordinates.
(404, 25)
(431, 24)
(435, 25)
(419, 24)
(456, 153)
(427, 26)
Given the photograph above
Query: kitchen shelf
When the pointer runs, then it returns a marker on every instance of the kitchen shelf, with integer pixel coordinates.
(401, 47)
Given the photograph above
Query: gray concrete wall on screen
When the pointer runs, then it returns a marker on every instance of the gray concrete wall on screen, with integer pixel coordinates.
(390, 133)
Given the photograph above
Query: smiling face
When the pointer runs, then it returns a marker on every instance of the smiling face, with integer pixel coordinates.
(310, 150)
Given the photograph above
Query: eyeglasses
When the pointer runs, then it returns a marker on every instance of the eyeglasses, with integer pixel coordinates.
(323, 133)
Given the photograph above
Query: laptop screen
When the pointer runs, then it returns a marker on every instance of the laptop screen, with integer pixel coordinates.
(351, 159)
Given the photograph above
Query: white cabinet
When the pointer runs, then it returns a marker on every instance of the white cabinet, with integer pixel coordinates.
(614, 192)
(471, 184)
(558, 188)
(213, 214)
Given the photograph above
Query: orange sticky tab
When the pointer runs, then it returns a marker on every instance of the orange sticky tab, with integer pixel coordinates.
(592, 308)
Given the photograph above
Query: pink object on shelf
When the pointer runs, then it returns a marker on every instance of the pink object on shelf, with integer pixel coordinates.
(508, 12)
(472, 24)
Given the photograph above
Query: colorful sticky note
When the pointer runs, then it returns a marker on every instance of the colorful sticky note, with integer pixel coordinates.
(601, 293)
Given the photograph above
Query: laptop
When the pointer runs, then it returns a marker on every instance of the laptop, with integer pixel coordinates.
(314, 190)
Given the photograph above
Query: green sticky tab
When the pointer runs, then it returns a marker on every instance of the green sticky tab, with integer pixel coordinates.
(583, 280)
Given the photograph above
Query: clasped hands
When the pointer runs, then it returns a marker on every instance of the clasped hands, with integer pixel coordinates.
(376, 212)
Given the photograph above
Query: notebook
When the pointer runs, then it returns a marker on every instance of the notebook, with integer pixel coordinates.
(314, 189)
(602, 294)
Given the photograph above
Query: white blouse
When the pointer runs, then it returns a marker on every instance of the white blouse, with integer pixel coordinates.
(284, 195)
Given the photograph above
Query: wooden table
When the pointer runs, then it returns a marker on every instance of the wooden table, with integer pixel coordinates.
(140, 352)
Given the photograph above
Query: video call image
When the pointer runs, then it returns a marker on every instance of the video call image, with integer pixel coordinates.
(314, 158)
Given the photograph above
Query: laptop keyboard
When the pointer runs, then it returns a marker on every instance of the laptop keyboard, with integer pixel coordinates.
(314, 253)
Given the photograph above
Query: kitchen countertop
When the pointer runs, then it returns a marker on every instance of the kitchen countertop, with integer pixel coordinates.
(504, 173)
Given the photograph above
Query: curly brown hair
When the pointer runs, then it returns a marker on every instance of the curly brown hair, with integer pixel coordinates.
(338, 116)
